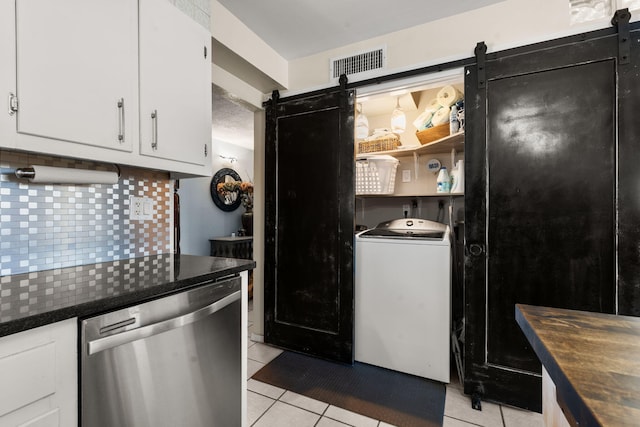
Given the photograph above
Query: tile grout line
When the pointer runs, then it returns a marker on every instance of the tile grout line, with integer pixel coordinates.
(294, 406)
(322, 415)
(343, 422)
(299, 407)
(315, 413)
(264, 412)
(502, 416)
(461, 420)
(264, 395)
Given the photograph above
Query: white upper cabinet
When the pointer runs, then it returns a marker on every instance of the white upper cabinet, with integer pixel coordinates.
(82, 78)
(76, 71)
(175, 84)
(7, 71)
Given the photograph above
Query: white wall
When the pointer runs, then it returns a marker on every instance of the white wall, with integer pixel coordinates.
(260, 58)
(502, 25)
(374, 210)
(258, 227)
(200, 219)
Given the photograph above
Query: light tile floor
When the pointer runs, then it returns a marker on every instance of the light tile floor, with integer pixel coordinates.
(270, 406)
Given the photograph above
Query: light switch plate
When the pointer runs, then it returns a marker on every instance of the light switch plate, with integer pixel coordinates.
(147, 208)
(406, 175)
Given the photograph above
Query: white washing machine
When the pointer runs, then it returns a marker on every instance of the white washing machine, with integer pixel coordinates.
(403, 297)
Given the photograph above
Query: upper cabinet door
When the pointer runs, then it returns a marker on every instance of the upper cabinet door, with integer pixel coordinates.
(76, 68)
(175, 84)
(7, 69)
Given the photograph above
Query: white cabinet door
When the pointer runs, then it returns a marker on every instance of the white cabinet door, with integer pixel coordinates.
(76, 71)
(39, 384)
(7, 71)
(175, 84)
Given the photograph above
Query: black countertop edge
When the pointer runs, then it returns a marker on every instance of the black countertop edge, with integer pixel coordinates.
(94, 308)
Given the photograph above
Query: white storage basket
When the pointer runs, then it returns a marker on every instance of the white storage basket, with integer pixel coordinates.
(376, 175)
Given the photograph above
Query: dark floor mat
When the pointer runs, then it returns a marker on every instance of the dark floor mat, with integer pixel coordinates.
(389, 396)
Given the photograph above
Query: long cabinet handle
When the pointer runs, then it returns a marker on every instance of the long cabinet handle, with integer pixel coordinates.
(121, 120)
(154, 129)
(125, 337)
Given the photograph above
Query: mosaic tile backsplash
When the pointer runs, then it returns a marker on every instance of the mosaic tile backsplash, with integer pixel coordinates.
(45, 226)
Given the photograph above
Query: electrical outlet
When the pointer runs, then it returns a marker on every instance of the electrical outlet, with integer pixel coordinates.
(406, 175)
(141, 208)
(135, 208)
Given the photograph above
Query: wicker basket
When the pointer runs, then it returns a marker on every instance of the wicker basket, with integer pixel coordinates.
(429, 135)
(379, 144)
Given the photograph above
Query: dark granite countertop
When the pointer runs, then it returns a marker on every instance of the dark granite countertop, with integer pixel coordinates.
(35, 299)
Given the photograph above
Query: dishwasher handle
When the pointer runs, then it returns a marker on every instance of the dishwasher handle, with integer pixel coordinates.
(101, 344)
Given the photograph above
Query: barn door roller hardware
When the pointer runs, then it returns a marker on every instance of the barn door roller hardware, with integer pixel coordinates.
(481, 56)
(275, 97)
(621, 20)
(343, 82)
(343, 90)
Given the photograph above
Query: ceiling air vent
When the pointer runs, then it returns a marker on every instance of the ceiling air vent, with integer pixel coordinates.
(361, 63)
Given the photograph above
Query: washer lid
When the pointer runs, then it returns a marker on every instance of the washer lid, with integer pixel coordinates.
(408, 228)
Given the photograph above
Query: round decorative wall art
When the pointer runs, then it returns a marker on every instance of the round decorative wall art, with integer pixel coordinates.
(226, 199)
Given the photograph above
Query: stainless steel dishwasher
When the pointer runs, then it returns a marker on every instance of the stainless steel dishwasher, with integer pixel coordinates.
(174, 361)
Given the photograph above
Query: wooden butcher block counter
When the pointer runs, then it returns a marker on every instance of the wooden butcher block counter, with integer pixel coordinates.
(593, 360)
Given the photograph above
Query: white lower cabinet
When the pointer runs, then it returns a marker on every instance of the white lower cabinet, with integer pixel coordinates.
(39, 371)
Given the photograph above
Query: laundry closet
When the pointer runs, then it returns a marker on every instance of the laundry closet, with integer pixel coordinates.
(410, 190)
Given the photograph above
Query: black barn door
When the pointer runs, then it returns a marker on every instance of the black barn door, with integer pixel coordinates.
(309, 234)
(540, 202)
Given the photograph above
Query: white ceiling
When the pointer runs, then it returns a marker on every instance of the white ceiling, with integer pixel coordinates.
(232, 122)
(298, 28)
